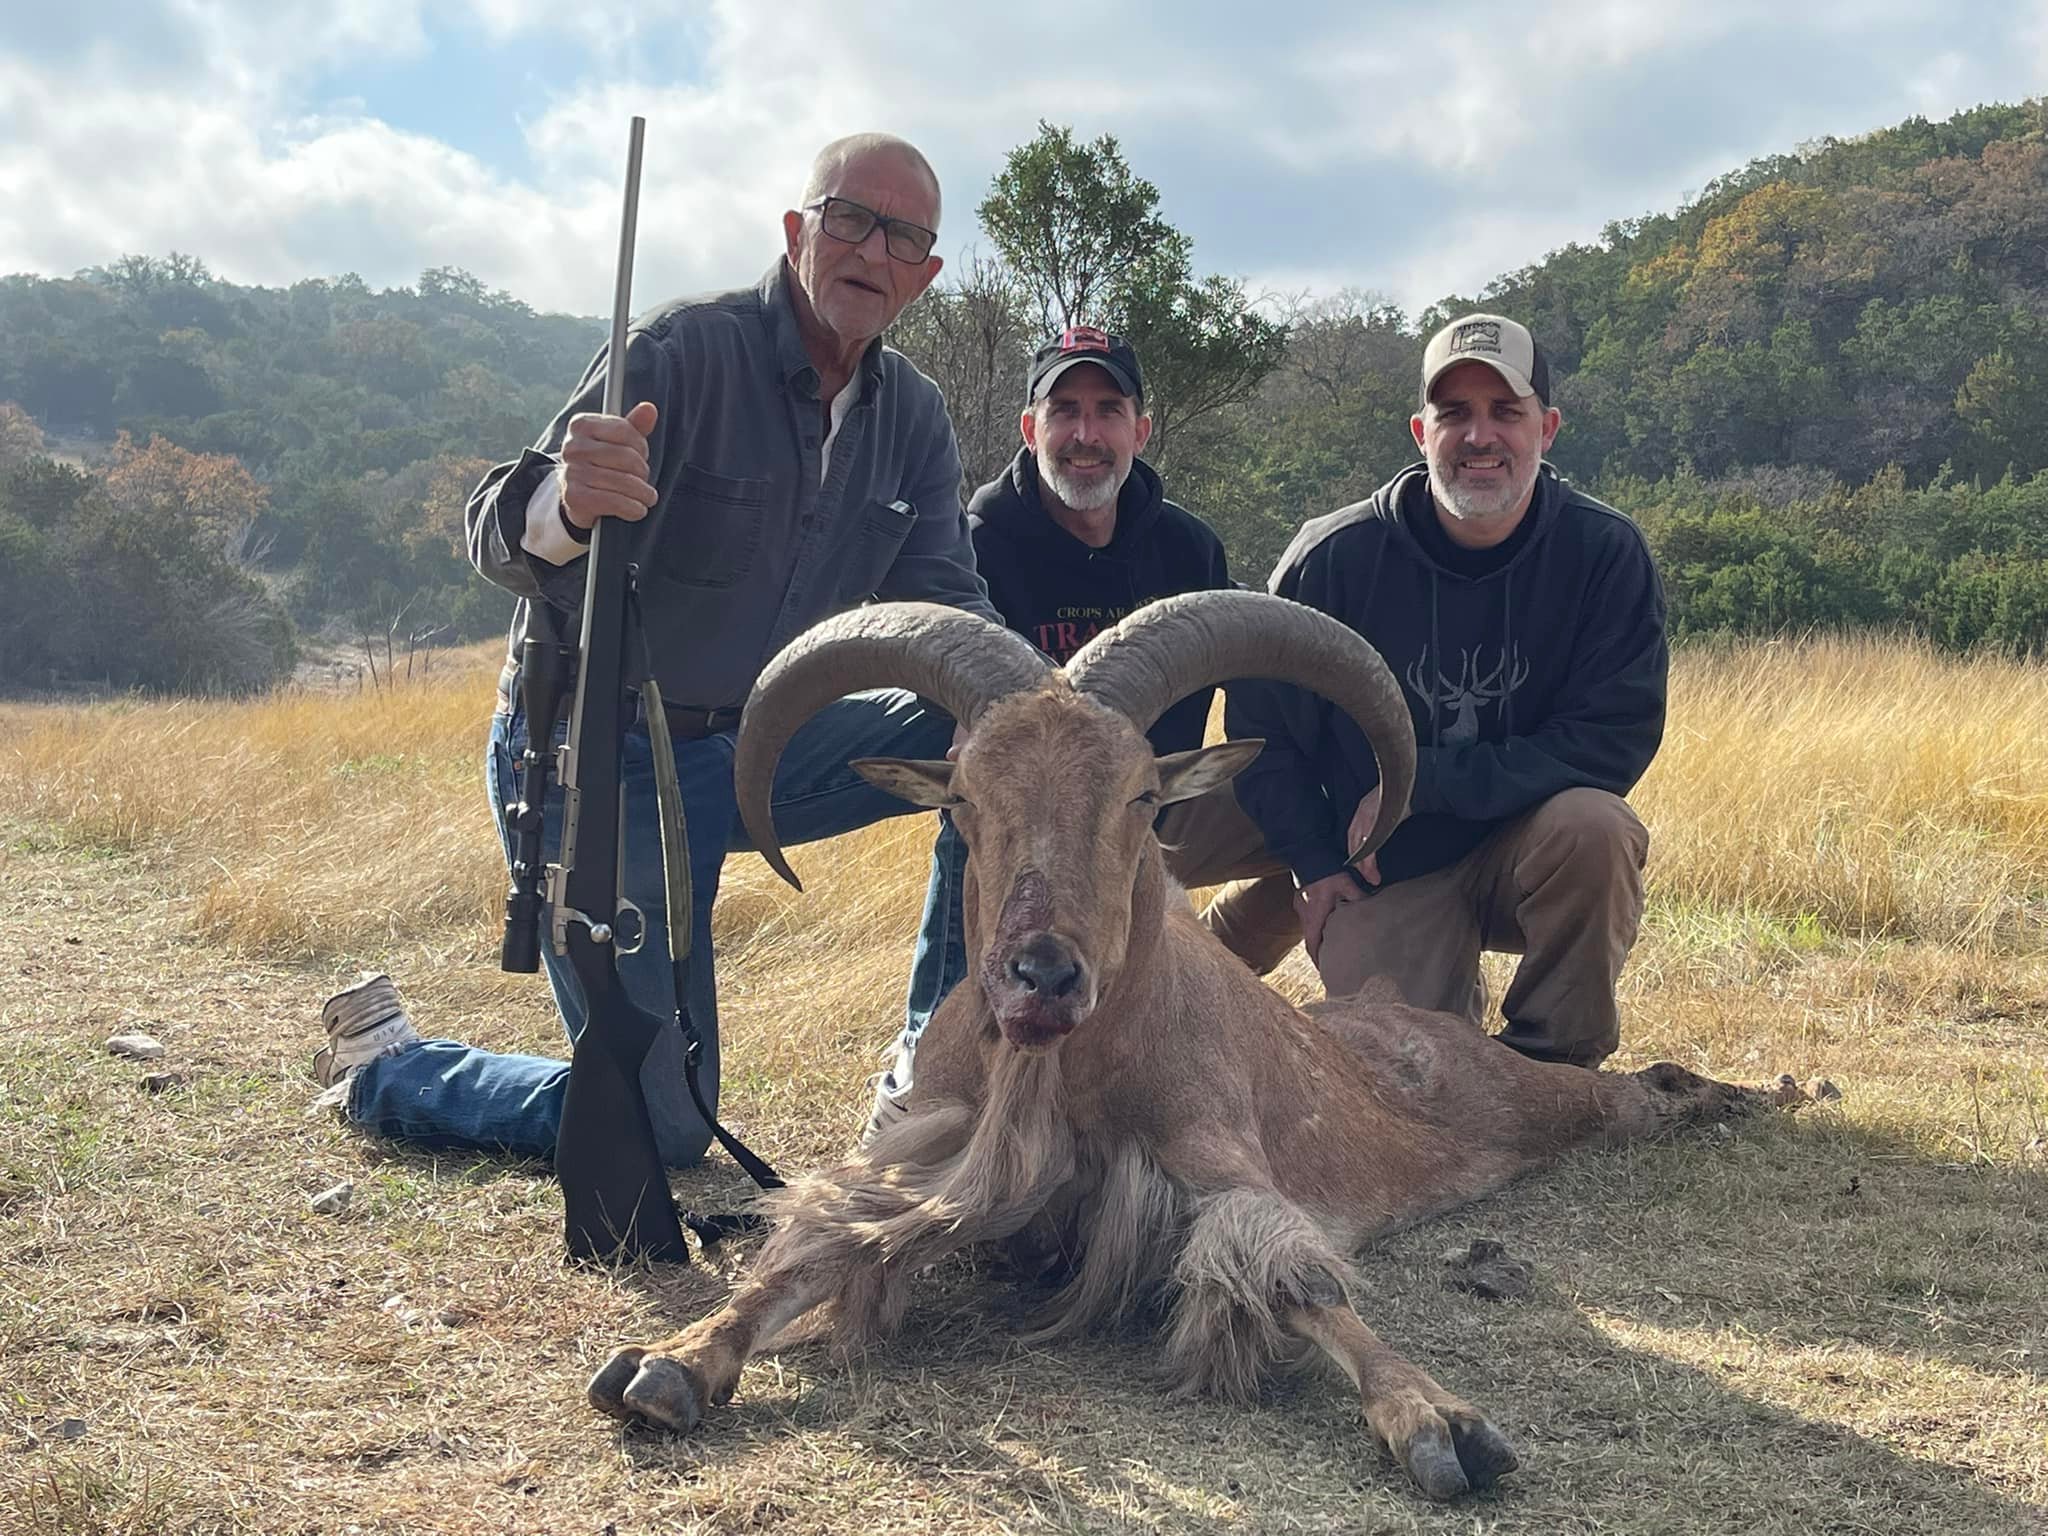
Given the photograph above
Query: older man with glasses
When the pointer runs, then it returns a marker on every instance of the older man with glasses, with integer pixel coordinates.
(778, 464)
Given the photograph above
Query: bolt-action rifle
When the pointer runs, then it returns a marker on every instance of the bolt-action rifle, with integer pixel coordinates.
(615, 1193)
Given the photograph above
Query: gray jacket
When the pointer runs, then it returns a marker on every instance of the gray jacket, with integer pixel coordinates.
(744, 549)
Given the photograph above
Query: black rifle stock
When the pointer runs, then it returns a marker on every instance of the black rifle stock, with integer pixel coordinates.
(615, 1194)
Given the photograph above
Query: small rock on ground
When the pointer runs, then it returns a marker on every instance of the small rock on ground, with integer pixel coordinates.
(1484, 1268)
(332, 1202)
(1787, 1093)
(138, 1046)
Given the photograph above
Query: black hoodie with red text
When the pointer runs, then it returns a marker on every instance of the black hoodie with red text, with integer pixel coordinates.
(1059, 593)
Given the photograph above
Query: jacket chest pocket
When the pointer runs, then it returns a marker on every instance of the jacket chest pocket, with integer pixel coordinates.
(711, 527)
(884, 525)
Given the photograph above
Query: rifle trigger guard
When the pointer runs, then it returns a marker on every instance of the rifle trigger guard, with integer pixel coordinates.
(620, 947)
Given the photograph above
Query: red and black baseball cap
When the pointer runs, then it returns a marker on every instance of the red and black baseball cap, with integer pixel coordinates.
(1084, 344)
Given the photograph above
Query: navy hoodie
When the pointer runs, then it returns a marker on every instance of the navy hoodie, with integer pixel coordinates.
(1059, 593)
(1543, 673)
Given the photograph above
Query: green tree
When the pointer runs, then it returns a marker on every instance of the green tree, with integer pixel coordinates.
(974, 334)
(20, 438)
(1077, 228)
(92, 590)
(1992, 601)
(2003, 406)
(1082, 236)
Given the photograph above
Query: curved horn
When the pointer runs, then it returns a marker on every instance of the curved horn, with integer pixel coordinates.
(956, 658)
(1168, 649)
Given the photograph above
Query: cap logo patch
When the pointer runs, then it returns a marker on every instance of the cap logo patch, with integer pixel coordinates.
(1084, 338)
(1476, 336)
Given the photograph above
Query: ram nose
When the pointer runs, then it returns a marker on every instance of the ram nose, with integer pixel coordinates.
(1039, 989)
(1044, 966)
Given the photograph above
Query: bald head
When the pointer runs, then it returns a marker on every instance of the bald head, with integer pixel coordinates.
(832, 161)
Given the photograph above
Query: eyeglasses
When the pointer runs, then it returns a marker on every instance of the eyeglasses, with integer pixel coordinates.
(846, 220)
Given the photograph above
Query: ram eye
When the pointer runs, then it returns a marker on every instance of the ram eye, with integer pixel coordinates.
(1146, 797)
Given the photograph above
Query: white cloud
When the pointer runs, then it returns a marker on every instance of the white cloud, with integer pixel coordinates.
(1374, 146)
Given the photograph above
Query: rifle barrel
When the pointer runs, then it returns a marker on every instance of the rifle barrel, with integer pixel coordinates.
(622, 290)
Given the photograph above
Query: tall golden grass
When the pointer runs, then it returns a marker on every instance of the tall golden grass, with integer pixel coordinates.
(1876, 788)
(1829, 789)
(1860, 787)
(302, 822)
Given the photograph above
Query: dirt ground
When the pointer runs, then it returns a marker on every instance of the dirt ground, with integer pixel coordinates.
(1829, 1322)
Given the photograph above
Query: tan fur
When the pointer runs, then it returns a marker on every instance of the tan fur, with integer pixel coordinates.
(1127, 1218)
(1249, 1257)
(1192, 1141)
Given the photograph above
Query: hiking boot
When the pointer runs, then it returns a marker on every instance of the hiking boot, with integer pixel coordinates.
(363, 1022)
(892, 1096)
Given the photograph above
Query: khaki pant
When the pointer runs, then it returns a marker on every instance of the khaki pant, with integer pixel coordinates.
(1561, 886)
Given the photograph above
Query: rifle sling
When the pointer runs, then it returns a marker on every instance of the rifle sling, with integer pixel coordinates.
(675, 859)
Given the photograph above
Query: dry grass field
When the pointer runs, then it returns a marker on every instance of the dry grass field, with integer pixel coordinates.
(1835, 1321)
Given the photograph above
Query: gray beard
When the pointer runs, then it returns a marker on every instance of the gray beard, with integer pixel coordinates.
(1075, 494)
(1468, 507)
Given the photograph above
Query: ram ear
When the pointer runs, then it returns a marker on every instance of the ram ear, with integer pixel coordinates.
(909, 778)
(1185, 775)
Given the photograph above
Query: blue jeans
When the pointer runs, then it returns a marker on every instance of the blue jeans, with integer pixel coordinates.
(444, 1093)
(941, 956)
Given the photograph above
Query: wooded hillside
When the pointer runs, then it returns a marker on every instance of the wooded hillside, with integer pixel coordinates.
(1821, 387)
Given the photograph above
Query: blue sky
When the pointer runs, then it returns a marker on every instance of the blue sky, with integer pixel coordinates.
(1309, 147)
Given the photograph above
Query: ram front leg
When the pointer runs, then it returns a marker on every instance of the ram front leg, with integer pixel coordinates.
(673, 1382)
(837, 1238)
(821, 1249)
(1448, 1446)
(1256, 1268)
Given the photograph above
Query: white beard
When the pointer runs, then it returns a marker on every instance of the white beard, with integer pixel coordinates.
(1080, 495)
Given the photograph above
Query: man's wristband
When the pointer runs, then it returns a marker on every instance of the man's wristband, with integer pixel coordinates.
(1357, 879)
(580, 535)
